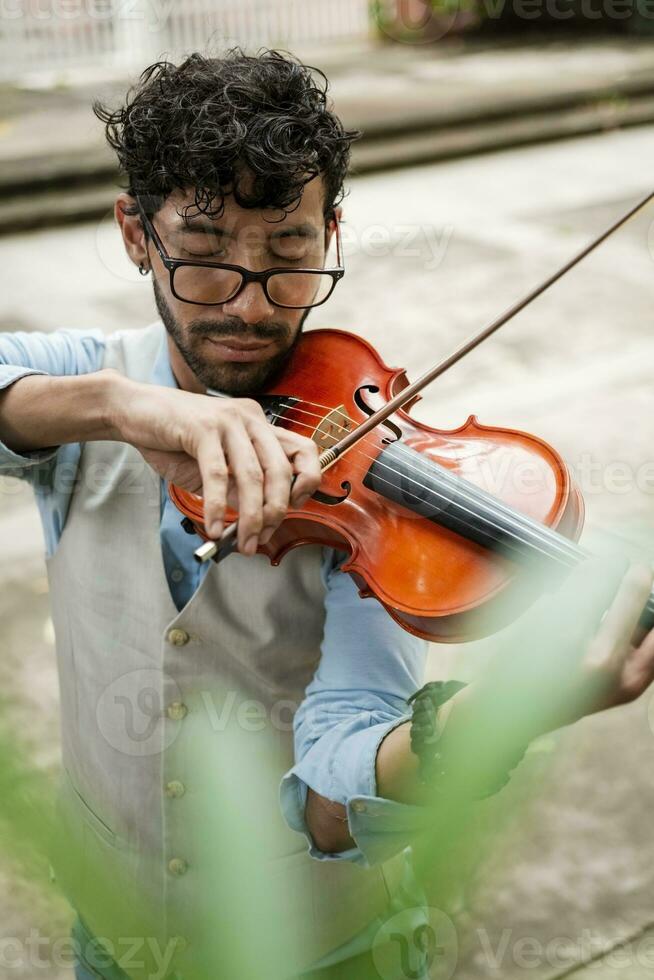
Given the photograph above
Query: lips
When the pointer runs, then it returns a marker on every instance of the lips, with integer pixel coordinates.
(237, 349)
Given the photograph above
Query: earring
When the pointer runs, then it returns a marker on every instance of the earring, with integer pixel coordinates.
(143, 270)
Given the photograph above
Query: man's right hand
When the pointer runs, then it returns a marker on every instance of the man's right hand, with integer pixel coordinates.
(223, 448)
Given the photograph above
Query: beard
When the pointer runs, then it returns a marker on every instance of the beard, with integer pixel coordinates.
(237, 379)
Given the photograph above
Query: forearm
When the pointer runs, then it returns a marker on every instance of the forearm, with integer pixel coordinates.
(476, 738)
(397, 766)
(40, 411)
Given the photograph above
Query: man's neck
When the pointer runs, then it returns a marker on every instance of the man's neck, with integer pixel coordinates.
(183, 375)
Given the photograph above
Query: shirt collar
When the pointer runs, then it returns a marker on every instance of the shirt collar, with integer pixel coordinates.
(162, 372)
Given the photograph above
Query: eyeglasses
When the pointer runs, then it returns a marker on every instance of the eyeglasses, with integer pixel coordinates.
(215, 283)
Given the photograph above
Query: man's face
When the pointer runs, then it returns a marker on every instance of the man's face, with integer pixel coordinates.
(237, 346)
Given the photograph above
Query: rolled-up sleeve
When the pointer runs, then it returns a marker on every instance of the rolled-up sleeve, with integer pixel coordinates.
(65, 352)
(368, 668)
(11, 463)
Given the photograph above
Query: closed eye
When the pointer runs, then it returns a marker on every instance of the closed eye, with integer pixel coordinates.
(209, 256)
(289, 259)
(291, 246)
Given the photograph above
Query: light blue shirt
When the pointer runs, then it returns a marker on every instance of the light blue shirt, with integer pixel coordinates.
(369, 665)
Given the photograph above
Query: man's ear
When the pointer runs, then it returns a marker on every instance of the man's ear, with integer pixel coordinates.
(330, 227)
(131, 229)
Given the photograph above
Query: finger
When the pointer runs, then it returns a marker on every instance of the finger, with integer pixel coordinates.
(278, 477)
(305, 460)
(613, 640)
(251, 409)
(213, 467)
(248, 476)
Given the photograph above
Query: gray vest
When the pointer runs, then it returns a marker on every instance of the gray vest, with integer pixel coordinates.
(151, 698)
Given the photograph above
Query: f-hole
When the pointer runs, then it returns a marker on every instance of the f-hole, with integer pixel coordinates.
(331, 500)
(360, 402)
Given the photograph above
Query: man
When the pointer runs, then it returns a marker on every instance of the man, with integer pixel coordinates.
(234, 166)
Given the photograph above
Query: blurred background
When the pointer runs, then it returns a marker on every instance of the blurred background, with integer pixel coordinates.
(499, 136)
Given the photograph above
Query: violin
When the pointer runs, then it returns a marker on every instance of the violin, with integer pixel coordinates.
(451, 531)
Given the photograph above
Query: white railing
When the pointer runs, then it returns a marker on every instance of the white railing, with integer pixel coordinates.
(38, 36)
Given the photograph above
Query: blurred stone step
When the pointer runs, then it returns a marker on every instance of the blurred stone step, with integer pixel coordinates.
(45, 208)
(483, 137)
(39, 194)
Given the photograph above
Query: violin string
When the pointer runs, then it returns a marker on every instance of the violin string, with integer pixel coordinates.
(335, 424)
(408, 453)
(568, 549)
(569, 553)
(568, 561)
(475, 495)
(326, 408)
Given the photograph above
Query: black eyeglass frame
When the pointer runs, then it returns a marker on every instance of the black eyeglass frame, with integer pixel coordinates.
(247, 276)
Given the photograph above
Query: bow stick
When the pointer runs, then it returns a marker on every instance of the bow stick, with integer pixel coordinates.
(211, 549)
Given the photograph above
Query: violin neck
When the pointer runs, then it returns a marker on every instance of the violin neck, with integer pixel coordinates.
(408, 478)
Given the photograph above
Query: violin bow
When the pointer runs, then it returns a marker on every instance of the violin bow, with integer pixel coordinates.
(211, 549)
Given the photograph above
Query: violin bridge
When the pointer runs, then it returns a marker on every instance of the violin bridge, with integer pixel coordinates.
(332, 428)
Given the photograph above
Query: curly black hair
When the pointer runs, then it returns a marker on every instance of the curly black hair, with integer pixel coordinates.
(255, 126)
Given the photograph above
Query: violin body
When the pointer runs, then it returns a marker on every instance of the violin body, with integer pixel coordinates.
(401, 502)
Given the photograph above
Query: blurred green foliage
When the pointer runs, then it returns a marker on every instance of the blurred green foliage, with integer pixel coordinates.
(435, 20)
(531, 682)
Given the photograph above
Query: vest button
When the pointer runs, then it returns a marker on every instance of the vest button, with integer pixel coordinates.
(176, 710)
(177, 867)
(175, 789)
(359, 806)
(178, 638)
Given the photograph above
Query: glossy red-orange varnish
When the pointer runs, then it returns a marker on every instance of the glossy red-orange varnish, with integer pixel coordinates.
(434, 582)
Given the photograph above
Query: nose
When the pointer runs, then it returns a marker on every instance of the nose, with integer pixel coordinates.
(251, 304)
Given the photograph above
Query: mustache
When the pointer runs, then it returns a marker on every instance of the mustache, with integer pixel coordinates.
(233, 326)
